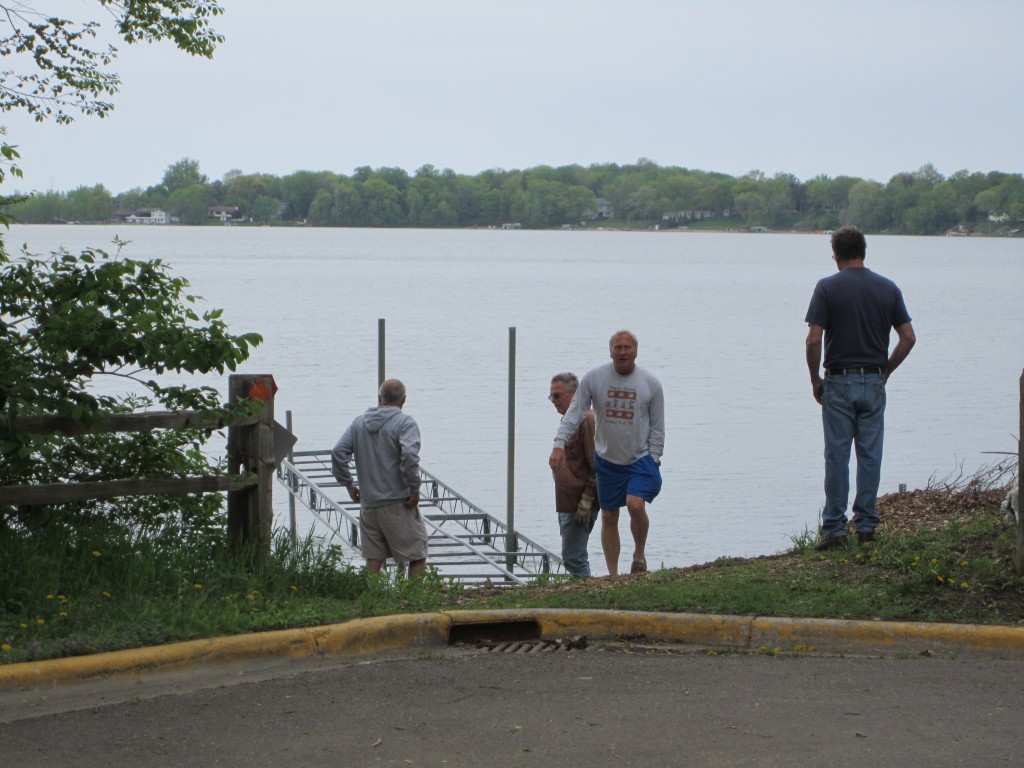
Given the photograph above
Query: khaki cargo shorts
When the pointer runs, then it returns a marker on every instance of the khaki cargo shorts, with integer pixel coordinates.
(394, 531)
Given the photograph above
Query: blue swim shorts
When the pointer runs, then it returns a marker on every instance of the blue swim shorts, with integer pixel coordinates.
(616, 481)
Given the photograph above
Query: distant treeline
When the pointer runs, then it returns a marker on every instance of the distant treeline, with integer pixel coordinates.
(920, 202)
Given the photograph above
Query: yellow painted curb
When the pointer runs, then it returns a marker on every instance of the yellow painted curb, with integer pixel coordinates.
(386, 633)
(889, 637)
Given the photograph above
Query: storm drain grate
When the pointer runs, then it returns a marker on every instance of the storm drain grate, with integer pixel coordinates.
(510, 636)
(535, 646)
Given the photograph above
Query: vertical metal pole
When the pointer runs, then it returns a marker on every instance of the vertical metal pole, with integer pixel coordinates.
(380, 352)
(1020, 472)
(291, 481)
(512, 545)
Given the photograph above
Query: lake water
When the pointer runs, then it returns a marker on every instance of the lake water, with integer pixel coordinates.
(719, 318)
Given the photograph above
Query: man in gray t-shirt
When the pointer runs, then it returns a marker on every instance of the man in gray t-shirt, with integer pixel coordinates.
(629, 404)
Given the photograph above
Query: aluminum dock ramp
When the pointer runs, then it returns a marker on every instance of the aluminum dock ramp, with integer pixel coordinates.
(465, 543)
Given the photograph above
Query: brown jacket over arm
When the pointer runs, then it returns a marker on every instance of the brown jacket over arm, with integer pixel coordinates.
(575, 476)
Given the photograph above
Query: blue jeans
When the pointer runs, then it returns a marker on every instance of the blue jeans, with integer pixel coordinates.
(853, 411)
(574, 543)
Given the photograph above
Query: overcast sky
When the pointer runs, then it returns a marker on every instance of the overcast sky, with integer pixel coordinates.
(862, 88)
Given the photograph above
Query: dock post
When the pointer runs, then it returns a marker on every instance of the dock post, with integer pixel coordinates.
(291, 482)
(511, 542)
(1020, 471)
(380, 353)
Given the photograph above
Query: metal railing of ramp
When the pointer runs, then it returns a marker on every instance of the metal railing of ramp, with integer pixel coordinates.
(465, 543)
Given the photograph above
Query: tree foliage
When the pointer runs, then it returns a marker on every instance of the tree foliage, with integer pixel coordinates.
(69, 322)
(917, 202)
(57, 67)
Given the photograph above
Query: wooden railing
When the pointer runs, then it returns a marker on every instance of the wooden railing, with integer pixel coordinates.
(250, 453)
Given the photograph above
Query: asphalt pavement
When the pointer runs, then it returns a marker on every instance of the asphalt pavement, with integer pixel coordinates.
(541, 688)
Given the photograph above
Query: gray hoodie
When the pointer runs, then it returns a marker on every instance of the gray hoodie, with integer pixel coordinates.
(386, 445)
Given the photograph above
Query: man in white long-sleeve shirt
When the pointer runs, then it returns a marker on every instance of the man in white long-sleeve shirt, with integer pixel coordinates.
(630, 407)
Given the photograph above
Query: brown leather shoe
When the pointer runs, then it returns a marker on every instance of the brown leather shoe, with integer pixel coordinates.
(830, 543)
(865, 537)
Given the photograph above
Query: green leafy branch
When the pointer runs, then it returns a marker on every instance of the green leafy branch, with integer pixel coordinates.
(66, 320)
(66, 73)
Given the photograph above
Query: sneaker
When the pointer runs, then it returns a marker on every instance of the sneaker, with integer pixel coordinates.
(830, 543)
(865, 537)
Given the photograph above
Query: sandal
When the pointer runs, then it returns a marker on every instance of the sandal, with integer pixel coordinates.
(639, 566)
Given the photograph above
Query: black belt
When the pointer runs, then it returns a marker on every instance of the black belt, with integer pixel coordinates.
(853, 371)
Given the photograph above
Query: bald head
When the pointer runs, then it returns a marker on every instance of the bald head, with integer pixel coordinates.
(391, 392)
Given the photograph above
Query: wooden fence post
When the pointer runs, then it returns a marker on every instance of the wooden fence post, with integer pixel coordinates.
(251, 449)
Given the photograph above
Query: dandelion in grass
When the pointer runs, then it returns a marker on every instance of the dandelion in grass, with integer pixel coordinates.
(250, 597)
(965, 563)
(63, 614)
(294, 588)
(5, 647)
(40, 622)
(23, 626)
(62, 598)
(106, 595)
(940, 579)
(935, 561)
(964, 585)
(97, 553)
(49, 597)
(197, 587)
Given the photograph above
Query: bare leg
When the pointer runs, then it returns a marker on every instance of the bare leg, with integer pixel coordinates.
(374, 566)
(610, 539)
(417, 567)
(639, 524)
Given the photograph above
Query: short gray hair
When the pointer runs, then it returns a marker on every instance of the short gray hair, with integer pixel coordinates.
(391, 392)
(569, 379)
(619, 333)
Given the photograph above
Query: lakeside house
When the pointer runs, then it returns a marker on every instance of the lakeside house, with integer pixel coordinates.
(223, 212)
(156, 216)
(604, 209)
(677, 216)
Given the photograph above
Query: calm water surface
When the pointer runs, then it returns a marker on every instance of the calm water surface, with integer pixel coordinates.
(719, 318)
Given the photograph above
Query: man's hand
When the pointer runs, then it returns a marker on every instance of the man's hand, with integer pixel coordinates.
(353, 493)
(818, 388)
(413, 501)
(585, 509)
(557, 457)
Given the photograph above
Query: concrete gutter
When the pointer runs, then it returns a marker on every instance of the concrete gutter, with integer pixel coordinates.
(363, 637)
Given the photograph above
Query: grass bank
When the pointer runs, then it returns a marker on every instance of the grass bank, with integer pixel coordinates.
(944, 554)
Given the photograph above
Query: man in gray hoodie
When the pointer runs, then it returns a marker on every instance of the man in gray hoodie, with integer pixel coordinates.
(386, 446)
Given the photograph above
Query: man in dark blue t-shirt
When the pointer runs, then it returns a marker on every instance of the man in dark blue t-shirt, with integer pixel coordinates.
(854, 310)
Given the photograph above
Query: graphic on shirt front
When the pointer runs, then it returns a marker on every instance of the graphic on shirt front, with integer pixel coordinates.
(621, 404)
